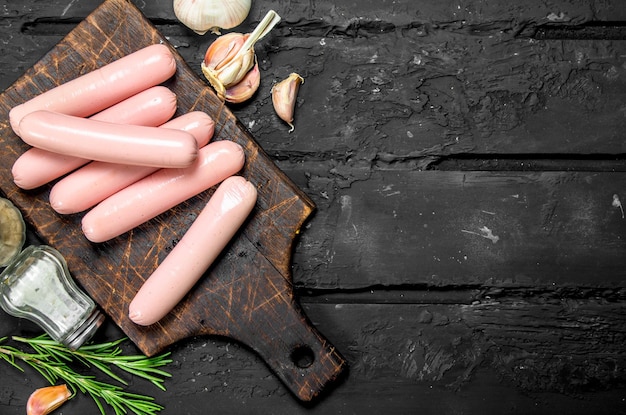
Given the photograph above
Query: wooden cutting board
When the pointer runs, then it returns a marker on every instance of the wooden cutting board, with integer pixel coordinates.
(247, 295)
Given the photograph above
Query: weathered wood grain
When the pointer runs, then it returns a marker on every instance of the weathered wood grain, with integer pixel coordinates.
(399, 13)
(499, 91)
(247, 295)
(446, 228)
(497, 354)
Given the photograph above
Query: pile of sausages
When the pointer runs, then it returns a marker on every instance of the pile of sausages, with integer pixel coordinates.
(129, 161)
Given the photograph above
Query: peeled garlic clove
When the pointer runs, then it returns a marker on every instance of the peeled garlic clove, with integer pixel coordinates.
(45, 400)
(204, 15)
(244, 90)
(284, 95)
(230, 57)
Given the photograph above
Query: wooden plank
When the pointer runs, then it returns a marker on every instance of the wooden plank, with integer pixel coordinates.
(493, 93)
(493, 356)
(439, 229)
(498, 91)
(454, 105)
(399, 13)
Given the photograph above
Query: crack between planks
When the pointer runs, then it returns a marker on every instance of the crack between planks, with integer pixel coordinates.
(468, 294)
(531, 162)
(366, 28)
(587, 31)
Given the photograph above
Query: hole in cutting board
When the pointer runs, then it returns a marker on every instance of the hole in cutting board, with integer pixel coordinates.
(302, 356)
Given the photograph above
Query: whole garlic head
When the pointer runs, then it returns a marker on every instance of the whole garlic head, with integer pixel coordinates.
(204, 15)
(12, 232)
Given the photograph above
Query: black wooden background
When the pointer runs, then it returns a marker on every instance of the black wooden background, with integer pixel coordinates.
(467, 162)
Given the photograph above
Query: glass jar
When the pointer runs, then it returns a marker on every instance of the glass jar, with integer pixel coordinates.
(36, 284)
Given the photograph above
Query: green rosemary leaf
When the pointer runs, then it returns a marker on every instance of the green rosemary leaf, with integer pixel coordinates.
(141, 366)
(105, 369)
(52, 360)
(48, 374)
(10, 359)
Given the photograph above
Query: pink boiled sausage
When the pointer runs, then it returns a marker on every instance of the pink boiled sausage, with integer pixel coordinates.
(98, 180)
(151, 108)
(162, 190)
(214, 227)
(103, 87)
(111, 142)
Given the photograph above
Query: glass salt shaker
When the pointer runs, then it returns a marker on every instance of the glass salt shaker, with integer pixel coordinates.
(36, 284)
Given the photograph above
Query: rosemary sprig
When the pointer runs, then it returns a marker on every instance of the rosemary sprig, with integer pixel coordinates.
(52, 360)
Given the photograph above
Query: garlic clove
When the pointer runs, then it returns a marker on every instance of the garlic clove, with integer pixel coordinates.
(244, 90)
(45, 400)
(230, 57)
(284, 95)
(223, 50)
(204, 15)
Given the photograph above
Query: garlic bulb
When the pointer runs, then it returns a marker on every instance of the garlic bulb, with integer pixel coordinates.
(231, 56)
(204, 15)
(12, 232)
(225, 64)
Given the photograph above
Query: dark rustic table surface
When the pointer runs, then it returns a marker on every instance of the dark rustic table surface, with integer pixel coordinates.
(467, 163)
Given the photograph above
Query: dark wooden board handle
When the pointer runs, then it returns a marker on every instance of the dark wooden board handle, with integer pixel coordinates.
(247, 294)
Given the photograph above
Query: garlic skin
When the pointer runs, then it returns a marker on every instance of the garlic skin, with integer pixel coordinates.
(245, 89)
(45, 400)
(284, 95)
(230, 57)
(204, 15)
